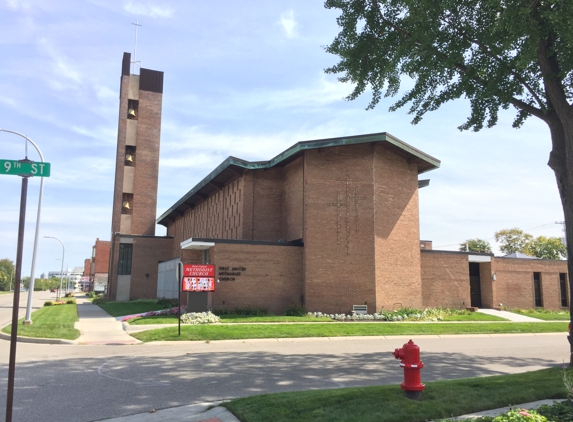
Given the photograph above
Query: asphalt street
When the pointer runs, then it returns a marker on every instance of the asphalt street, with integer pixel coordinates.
(94, 382)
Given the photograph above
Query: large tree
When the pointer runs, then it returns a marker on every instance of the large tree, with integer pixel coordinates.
(495, 53)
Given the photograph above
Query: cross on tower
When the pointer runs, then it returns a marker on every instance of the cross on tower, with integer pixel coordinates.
(135, 61)
(344, 205)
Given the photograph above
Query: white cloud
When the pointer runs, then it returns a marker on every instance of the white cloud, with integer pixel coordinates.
(62, 71)
(18, 4)
(152, 11)
(288, 23)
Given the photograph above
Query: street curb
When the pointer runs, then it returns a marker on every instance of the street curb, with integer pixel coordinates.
(21, 339)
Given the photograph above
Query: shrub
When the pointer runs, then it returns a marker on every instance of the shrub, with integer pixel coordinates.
(295, 310)
(70, 300)
(48, 303)
(196, 318)
(167, 303)
(90, 294)
(99, 299)
(247, 311)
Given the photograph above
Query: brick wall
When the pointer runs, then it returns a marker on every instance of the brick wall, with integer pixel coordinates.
(270, 276)
(445, 280)
(267, 204)
(514, 282)
(219, 217)
(147, 163)
(147, 253)
(338, 229)
(120, 154)
(292, 201)
(101, 256)
(396, 227)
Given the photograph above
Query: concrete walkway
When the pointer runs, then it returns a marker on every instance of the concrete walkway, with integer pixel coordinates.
(509, 315)
(98, 327)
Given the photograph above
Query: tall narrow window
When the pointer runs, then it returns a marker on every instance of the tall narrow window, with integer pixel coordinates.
(563, 289)
(124, 263)
(537, 289)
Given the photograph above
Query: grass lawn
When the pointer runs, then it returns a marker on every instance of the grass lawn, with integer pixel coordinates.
(474, 316)
(227, 319)
(441, 399)
(50, 322)
(544, 314)
(129, 308)
(334, 329)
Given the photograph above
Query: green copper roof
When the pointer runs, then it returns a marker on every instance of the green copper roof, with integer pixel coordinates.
(233, 167)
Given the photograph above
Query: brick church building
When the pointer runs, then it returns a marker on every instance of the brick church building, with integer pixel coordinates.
(327, 224)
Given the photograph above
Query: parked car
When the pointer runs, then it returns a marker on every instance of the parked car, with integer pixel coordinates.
(53, 290)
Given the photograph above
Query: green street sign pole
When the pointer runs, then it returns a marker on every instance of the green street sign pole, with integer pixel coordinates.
(24, 168)
(14, 332)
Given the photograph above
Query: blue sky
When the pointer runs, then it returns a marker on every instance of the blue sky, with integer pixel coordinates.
(243, 79)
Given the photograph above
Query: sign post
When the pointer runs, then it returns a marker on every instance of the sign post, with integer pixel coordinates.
(179, 275)
(24, 168)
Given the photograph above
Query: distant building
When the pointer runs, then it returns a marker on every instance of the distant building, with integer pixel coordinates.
(98, 267)
(71, 279)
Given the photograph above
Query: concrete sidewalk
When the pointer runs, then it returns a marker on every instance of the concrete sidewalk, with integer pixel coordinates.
(203, 412)
(509, 315)
(98, 327)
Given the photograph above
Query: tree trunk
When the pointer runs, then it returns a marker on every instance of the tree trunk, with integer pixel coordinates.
(561, 161)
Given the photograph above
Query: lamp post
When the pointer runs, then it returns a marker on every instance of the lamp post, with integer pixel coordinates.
(27, 320)
(67, 273)
(10, 285)
(62, 270)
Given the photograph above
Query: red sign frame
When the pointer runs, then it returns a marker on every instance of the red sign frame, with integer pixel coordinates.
(198, 284)
(198, 270)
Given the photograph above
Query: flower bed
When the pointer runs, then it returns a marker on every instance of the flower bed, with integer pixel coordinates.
(169, 311)
(196, 318)
(403, 314)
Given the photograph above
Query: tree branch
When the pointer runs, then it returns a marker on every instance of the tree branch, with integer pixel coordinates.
(490, 54)
(534, 111)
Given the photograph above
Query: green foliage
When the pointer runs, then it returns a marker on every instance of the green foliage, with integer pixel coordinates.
(89, 295)
(295, 310)
(558, 411)
(166, 303)
(487, 52)
(50, 322)
(387, 403)
(6, 274)
(131, 307)
(516, 240)
(247, 310)
(546, 248)
(428, 314)
(512, 240)
(343, 329)
(475, 245)
(520, 415)
(99, 300)
(48, 303)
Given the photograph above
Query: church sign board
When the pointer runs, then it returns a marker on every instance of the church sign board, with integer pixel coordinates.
(198, 278)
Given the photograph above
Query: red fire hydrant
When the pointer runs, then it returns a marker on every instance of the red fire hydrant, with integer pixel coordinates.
(410, 356)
